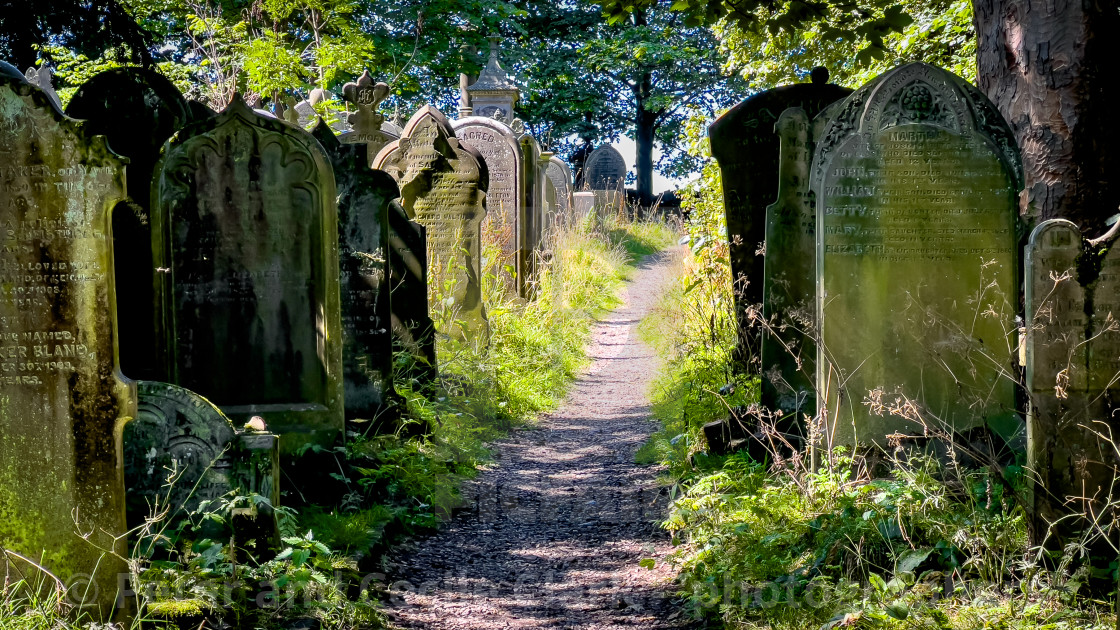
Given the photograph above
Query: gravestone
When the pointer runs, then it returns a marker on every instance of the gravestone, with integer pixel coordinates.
(747, 150)
(788, 350)
(63, 401)
(244, 231)
(137, 110)
(412, 327)
(494, 94)
(605, 169)
(561, 177)
(916, 181)
(507, 195)
(549, 211)
(443, 187)
(183, 455)
(366, 124)
(364, 196)
(531, 219)
(1073, 363)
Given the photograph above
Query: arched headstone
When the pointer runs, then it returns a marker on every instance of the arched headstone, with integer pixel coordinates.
(605, 169)
(245, 234)
(917, 181)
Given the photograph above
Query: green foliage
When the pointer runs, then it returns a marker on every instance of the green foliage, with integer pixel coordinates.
(939, 32)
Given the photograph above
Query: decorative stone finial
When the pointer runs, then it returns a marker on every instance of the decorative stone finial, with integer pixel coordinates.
(819, 75)
(365, 95)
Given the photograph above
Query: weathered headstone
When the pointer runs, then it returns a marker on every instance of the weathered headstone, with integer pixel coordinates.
(605, 169)
(917, 180)
(62, 399)
(244, 232)
(365, 123)
(788, 349)
(747, 149)
(531, 220)
(412, 327)
(182, 455)
(364, 196)
(507, 195)
(137, 110)
(443, 187)
(561, 177)
(1073, 369)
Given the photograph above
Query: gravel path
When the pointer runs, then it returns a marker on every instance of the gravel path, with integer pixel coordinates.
(557, 527)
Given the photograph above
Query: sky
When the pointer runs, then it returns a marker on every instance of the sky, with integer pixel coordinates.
(627, 148)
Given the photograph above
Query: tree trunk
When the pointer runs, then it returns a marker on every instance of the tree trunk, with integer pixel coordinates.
(1049, 66)
(645, 122)
(644, 125)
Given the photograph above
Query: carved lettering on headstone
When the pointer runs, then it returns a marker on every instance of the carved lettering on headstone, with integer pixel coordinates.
(443, 187)
(917, 259)
(244, 229)
(605, 169)
(62, 400)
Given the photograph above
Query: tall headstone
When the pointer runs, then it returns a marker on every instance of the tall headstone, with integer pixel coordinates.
(412, 326)
(788, 350)
(917, 181)
(747, 150)
(443, 187)
(244, 232)
(531, 220)
(365, 123)
(63, 402)
(364, 196)
(1073, 370)
(605, 169)
(508, 193)
(561, 177)
(137, 110)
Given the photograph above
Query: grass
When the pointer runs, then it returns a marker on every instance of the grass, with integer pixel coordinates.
(924, 543)
(365, 495)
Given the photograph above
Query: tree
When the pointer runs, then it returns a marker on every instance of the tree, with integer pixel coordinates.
(1051, 70)
(88, 27)
(643, 75)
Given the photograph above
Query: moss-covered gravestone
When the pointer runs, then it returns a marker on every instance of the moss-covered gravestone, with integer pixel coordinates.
(245, 236)
(63, 402)
(137, 110)
(507, 195)
(183, 458)
(443, 187)
(747, 148)
(1073, 370)
(532, 214)
(917, 181)
(364, 196)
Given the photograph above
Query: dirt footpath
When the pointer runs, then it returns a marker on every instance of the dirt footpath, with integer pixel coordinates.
(556, 529)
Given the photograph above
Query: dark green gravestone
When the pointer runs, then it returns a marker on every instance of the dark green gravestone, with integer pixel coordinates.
(63, 402)
(364, 196)
(747, 150)
(137, 110)
(917, 179)
(244, 232)
(506, 196)
(1073, 369)
(531, 220)
(443, 187)
(414, 332)
(183, 455)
